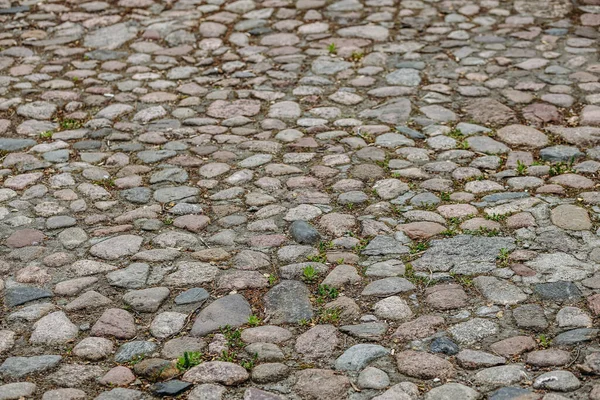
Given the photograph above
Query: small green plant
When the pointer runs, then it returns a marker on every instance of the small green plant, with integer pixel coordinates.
(332, 49)
(303, 322)
(233, 337)
(309, 274)
(136, 359)
(349, 206)
(168, 221)
(325, 293)
(324, 246)
(253, 320)
(360, 246)
(417, 280)
(330, 315)
(228, 356)
(319, 258)
(502, 256)
(450, 232)
(464, 145)
(456, 134)
(445, 196)
(496, 217)
(561, 167)
(356, 56)
(464, 280)
(46, 135)
(272, 280)
(521, 168)
(188, 360)
(106, 183)
(417, 247)
(70, 124)
(249, 364)
(544, 341)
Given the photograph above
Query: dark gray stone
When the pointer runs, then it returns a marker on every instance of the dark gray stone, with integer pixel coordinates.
(139, 195)
(557, 291)
(304, 233)
(16, 296)
(288, 302)
(576, 336)
(169, 388)
(7, 144)
(561, 153)
(444, 345)
(193, 295)
(18, 367)
(232, 310)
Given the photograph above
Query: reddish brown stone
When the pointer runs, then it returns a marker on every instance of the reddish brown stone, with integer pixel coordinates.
(513, 346)
(25, 237)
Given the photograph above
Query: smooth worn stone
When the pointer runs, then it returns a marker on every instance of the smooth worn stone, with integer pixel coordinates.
(571, 217)
(358, 356)
(19, 367)
(548, 358)
(304, 233)
(451, 391)
(17, 390)
(146, 300)
(373, 378)
(115, 322)
(232, 310)
(501, 376)
(562, 381)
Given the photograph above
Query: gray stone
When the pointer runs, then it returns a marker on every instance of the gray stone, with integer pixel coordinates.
(18, 367)
(463, 254)
(304, 233)
(134, 350)
(562, 381)
(358, 356)
(387, 287)
(452, 391)
(288, 302)
(110, 37)
(193, 295)
(499, 291)
(17, 390)
(15, 296)
(557, 291)
(232, 310)
(473, 330)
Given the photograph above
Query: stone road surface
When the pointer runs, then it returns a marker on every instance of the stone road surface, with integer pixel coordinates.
(300, 199)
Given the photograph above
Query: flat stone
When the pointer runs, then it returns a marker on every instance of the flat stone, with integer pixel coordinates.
(134, 350)
(288, 302)
(19, 367)
(499, 291)
(424, 365)
(232, 310)
(226, 373)
(359, 355)
(570, 217)
(54, 328)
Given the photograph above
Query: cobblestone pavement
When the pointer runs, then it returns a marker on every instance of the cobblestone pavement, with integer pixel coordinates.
(300, 199)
